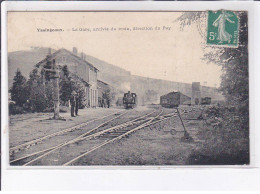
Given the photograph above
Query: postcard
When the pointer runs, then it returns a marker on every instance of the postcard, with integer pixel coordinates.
(129, 95)
(128, 88)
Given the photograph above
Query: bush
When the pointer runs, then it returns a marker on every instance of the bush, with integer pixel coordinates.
(48, 110)
(51, 109)
(227, 139)
(64, 109)
(18, 90)
(15, 109)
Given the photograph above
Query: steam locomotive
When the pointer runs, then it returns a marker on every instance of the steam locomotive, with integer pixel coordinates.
(129, 100)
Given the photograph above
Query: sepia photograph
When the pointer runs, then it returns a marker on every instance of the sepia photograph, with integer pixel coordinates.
(128, 88)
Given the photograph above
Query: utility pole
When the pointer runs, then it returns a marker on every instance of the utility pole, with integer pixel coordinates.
(55, 81)
(56, 92)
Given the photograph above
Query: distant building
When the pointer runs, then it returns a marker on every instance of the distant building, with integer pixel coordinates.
(174, 99)
(195, 93)
(102, 88)
(119, 101)
(78, 66)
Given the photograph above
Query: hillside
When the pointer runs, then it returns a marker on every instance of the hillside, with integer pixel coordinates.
(25, 61)
(120, 79)
(141, 85)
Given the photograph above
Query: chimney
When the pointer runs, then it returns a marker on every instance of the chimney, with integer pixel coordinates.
(75, 51)
(196, 93)
(82, 55)
(49, 51)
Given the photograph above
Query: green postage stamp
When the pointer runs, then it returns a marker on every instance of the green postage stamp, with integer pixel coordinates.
(223, 28)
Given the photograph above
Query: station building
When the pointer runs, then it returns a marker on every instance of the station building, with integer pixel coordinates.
(102, 88)
(77, 65)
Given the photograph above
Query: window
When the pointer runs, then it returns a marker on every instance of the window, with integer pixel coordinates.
(63, 59)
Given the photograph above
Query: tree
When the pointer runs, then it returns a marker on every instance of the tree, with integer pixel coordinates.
(79, 86)
(235, 78)
(106, 95)
(36, 91)
(18, 90)
(234, 62)
(65, 71)
(48, 74)
(232, 132)
(65, 84)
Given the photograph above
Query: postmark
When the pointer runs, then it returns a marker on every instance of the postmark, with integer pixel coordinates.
(222, 29)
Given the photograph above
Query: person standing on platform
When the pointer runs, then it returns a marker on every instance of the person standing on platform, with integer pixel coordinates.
(103, 103)
(108, 103)
(77, 104)
(73, 103)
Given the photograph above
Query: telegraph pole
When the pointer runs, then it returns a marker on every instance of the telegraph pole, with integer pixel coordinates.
(55, 81)
(56, 92)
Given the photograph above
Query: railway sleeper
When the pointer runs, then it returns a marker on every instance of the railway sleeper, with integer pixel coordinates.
(114, 136)
(110, 135)
(119, 133)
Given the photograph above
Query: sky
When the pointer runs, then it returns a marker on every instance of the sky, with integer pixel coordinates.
(168, 53)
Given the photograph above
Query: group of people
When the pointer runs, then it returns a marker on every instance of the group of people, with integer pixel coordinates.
(104, 103)
(74, 103)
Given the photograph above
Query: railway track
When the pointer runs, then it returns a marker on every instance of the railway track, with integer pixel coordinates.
(36, 141)
(89, 132)
(113, 136)
(115, 132)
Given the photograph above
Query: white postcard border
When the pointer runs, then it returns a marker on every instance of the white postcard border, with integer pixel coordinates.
(129, 178)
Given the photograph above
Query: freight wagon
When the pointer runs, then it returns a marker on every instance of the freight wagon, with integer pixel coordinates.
(206, 101)
(173, 99)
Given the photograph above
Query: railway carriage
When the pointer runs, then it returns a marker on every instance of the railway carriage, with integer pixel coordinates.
(174, 99)
(206, 101)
